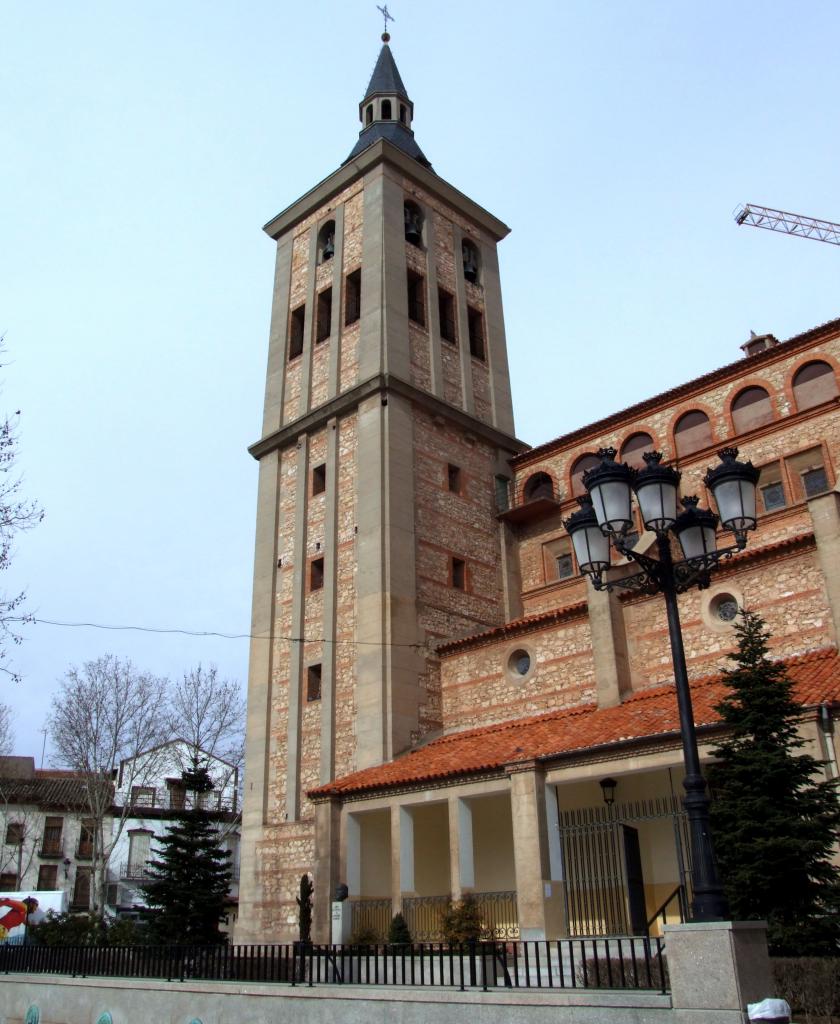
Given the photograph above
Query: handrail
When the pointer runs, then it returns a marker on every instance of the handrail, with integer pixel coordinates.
(678, 892)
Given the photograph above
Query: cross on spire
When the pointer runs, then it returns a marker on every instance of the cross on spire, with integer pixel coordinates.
(386, 17)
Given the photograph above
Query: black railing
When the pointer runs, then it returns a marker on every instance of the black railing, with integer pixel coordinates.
(661, 913)
(620, 963)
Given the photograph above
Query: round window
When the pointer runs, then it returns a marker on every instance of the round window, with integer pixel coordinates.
(520, 663)
(725, 608)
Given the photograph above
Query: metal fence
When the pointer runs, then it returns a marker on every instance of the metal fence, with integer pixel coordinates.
(370, 916)
(620, 963)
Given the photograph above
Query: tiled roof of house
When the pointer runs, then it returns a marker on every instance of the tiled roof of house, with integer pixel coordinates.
(657, 401)
(646, 714)
(48, 789)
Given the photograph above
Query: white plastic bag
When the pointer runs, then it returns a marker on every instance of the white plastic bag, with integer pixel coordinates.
(776, 1010)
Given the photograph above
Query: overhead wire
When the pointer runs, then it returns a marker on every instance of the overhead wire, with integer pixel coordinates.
(205, 632)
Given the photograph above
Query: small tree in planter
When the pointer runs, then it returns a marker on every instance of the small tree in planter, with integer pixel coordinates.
(304, 902)
(398, 933)
(462, 921)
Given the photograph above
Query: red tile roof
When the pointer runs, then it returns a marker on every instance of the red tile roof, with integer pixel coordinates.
(516, 626)
(657, 401)
(648, 713)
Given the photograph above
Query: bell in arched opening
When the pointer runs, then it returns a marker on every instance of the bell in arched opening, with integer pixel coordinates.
(413, 223)
(469, 255)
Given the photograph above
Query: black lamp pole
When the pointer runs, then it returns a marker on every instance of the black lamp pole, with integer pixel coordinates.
(605, 515)
(708, 899)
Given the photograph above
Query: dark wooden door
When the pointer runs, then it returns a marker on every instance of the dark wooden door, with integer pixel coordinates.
(636, 911)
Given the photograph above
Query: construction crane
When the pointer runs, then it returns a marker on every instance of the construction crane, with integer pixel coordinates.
(790, 223)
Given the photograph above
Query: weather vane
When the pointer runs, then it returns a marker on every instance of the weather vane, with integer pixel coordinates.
(386, 17)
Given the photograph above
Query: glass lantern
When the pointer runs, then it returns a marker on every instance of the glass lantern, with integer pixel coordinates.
(656, 490)
(591, 544)
(609, 489)
(732, 484)
(696, 530)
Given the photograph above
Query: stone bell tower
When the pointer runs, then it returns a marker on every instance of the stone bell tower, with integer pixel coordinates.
(386, 433)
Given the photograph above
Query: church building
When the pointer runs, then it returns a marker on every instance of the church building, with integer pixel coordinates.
(438, 702)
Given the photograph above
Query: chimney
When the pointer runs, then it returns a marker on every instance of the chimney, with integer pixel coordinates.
(758, 343)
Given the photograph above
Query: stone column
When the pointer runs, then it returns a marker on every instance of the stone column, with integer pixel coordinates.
(530, 846)
(716, 968)
(461, 859)
(353, 854)
(402, 855)
(609, 646)
(825, 515)
(326, 866)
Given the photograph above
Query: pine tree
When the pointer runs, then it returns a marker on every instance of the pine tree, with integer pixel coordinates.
(775, 818)
(399, 933)
(189, 883)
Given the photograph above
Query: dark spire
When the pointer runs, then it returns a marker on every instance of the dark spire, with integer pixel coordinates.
(386, 112)
(386, 76)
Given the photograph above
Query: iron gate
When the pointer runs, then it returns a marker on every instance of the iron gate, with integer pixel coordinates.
(604, 890)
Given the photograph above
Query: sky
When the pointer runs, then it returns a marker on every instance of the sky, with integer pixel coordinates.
(145, 145)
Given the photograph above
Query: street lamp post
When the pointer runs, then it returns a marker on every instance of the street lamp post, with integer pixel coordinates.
(606, 515)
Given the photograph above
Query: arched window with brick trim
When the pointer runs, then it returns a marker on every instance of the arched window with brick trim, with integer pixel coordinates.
(751, 408)
(813, 384)
(540, 485)
(692, 432)
(584, 463)
(634, 446)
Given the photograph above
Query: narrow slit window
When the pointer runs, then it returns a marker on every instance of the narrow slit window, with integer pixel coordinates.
(453, 478)
(353, 297)
(316, 574)
(296, 332)
(319, 479)
(386, 110)
(324, 315)
(459, 574)
(416, 305)
(446, 308)
(313, 683)
(475, 322)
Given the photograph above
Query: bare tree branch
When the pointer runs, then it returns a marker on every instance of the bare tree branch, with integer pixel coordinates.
(208, 713)
(16, 515)
(108, 717)
(6, 720)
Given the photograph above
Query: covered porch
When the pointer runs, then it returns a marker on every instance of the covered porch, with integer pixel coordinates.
(540, 851)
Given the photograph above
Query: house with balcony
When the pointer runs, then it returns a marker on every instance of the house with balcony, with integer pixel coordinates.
(146, 803)
(46, 835)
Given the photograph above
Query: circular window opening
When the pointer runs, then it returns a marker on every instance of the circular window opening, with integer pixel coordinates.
(520, 663)
(725, 608)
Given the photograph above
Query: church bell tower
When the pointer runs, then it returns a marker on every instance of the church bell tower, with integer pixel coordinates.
(386, 432)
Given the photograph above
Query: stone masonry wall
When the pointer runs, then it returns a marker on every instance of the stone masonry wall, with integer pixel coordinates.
(778, 575)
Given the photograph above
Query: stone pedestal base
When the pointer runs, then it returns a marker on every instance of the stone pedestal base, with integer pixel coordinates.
(716, 968)
(341, 922)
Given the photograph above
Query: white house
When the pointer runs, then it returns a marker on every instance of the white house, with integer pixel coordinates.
(147, 801)
(46, 835)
